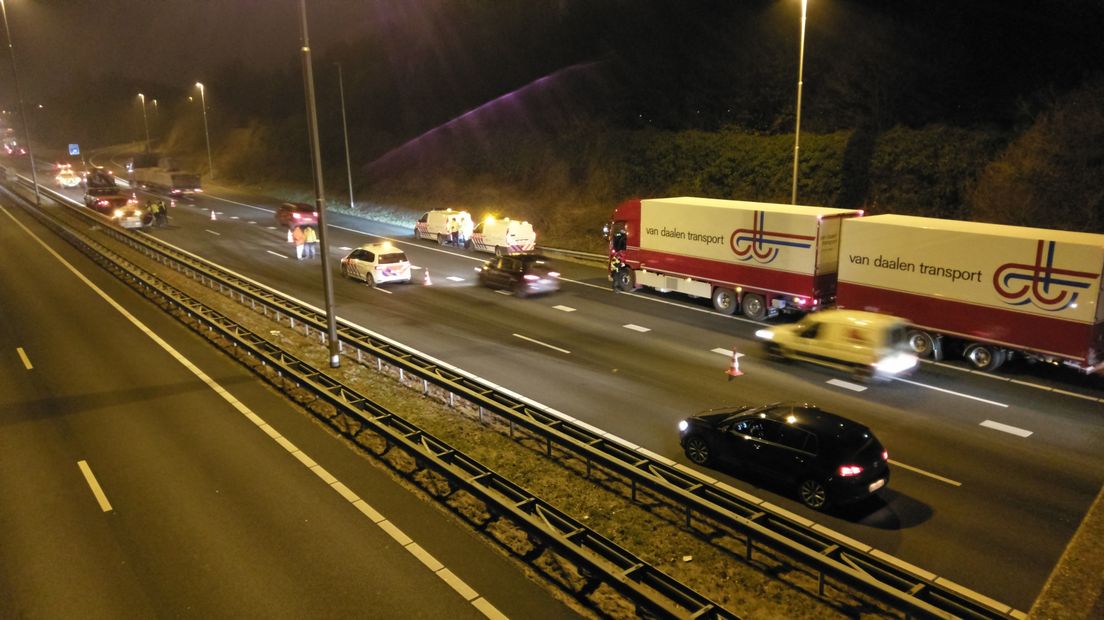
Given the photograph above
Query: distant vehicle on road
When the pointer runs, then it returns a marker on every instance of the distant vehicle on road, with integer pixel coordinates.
(174, 183)
(131, 215)
(866, 343)
(524, 274)
(66, 177)
(376, 263)
(12, 148)
(826, 458)
(292, 214)
(437, 224)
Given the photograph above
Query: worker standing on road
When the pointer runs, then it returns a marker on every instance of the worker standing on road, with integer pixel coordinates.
(299, 238)
(311, 239)
(454, 231)
(162, 213)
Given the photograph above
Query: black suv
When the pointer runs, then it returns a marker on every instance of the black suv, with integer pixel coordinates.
(830, 459)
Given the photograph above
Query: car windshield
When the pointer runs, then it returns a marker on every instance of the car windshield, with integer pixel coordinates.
(393, 257)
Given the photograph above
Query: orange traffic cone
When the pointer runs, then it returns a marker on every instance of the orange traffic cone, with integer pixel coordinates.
(734, 370)
(426, 281)
(212, 214)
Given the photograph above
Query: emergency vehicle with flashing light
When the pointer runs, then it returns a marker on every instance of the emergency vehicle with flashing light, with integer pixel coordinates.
(376, 263)
(503, 236)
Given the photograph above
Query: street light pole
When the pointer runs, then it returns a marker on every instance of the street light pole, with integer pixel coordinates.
(345, 128)
(22, 109)
(145, 120)
(319, 199)
(206, 132)
(800, 79)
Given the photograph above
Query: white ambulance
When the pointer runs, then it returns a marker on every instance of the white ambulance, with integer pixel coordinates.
(436, 225)
(503, 236)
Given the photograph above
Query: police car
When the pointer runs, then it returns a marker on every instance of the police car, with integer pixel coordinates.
(66, 177)
(376, 263)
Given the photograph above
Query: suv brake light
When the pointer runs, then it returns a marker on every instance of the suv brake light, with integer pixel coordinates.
(850, 470)
(885, 455)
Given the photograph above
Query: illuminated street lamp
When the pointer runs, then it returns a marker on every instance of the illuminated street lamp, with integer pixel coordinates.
(206, 133)
(145, 120)
(19, 96)
(797, 127)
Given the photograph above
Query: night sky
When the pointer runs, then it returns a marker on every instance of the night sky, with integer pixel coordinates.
(671, 64)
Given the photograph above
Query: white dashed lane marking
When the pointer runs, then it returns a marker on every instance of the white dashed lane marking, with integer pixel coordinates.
(997, 426)
(847, 385)
(564, 308)
(543, 344)
(90, 478)
(275, 254)
(23, 358)
(953, 483)
(726, 352)
(637, 328)
(455, 278)
(213, 232)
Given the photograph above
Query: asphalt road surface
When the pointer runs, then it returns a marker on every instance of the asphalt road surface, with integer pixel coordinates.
(991, 474)
(136, 484)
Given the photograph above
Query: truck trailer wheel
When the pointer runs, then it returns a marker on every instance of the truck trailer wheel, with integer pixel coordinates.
(724, 300)
(984, 356)
(624, 279)
(925, 345)
(754, 307)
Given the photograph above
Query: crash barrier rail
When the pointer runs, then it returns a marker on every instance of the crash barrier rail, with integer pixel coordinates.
(905, 587)
(591, 256)
(599, 560)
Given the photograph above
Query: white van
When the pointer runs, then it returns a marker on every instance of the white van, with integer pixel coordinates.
(435, 225)
(504, 236)
(867, 343)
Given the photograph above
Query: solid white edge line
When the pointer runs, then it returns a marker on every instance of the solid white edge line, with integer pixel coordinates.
(23, 357)
(925, 473)
(543, 344)
(448, 576)
(951, 392)
(90, 478)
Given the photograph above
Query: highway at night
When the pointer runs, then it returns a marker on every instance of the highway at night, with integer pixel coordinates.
(991, 476)
(138, 479)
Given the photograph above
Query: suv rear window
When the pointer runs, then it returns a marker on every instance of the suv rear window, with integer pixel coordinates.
(393, 257)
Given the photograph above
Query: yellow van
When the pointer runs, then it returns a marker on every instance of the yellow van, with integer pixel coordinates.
(867, 343)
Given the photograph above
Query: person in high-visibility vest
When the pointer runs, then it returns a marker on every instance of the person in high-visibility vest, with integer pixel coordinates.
(299, 238)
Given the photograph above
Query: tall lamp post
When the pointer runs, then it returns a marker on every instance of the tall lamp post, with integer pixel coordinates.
(145, 120)
(797, 128)
(206, 132)
(319, 199)
(345, 128)
(22, 109)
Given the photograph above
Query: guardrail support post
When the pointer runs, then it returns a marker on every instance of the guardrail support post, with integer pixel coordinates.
(820, 583)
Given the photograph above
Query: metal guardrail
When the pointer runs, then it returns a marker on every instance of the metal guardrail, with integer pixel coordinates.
(655, 593)
(908, 588)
